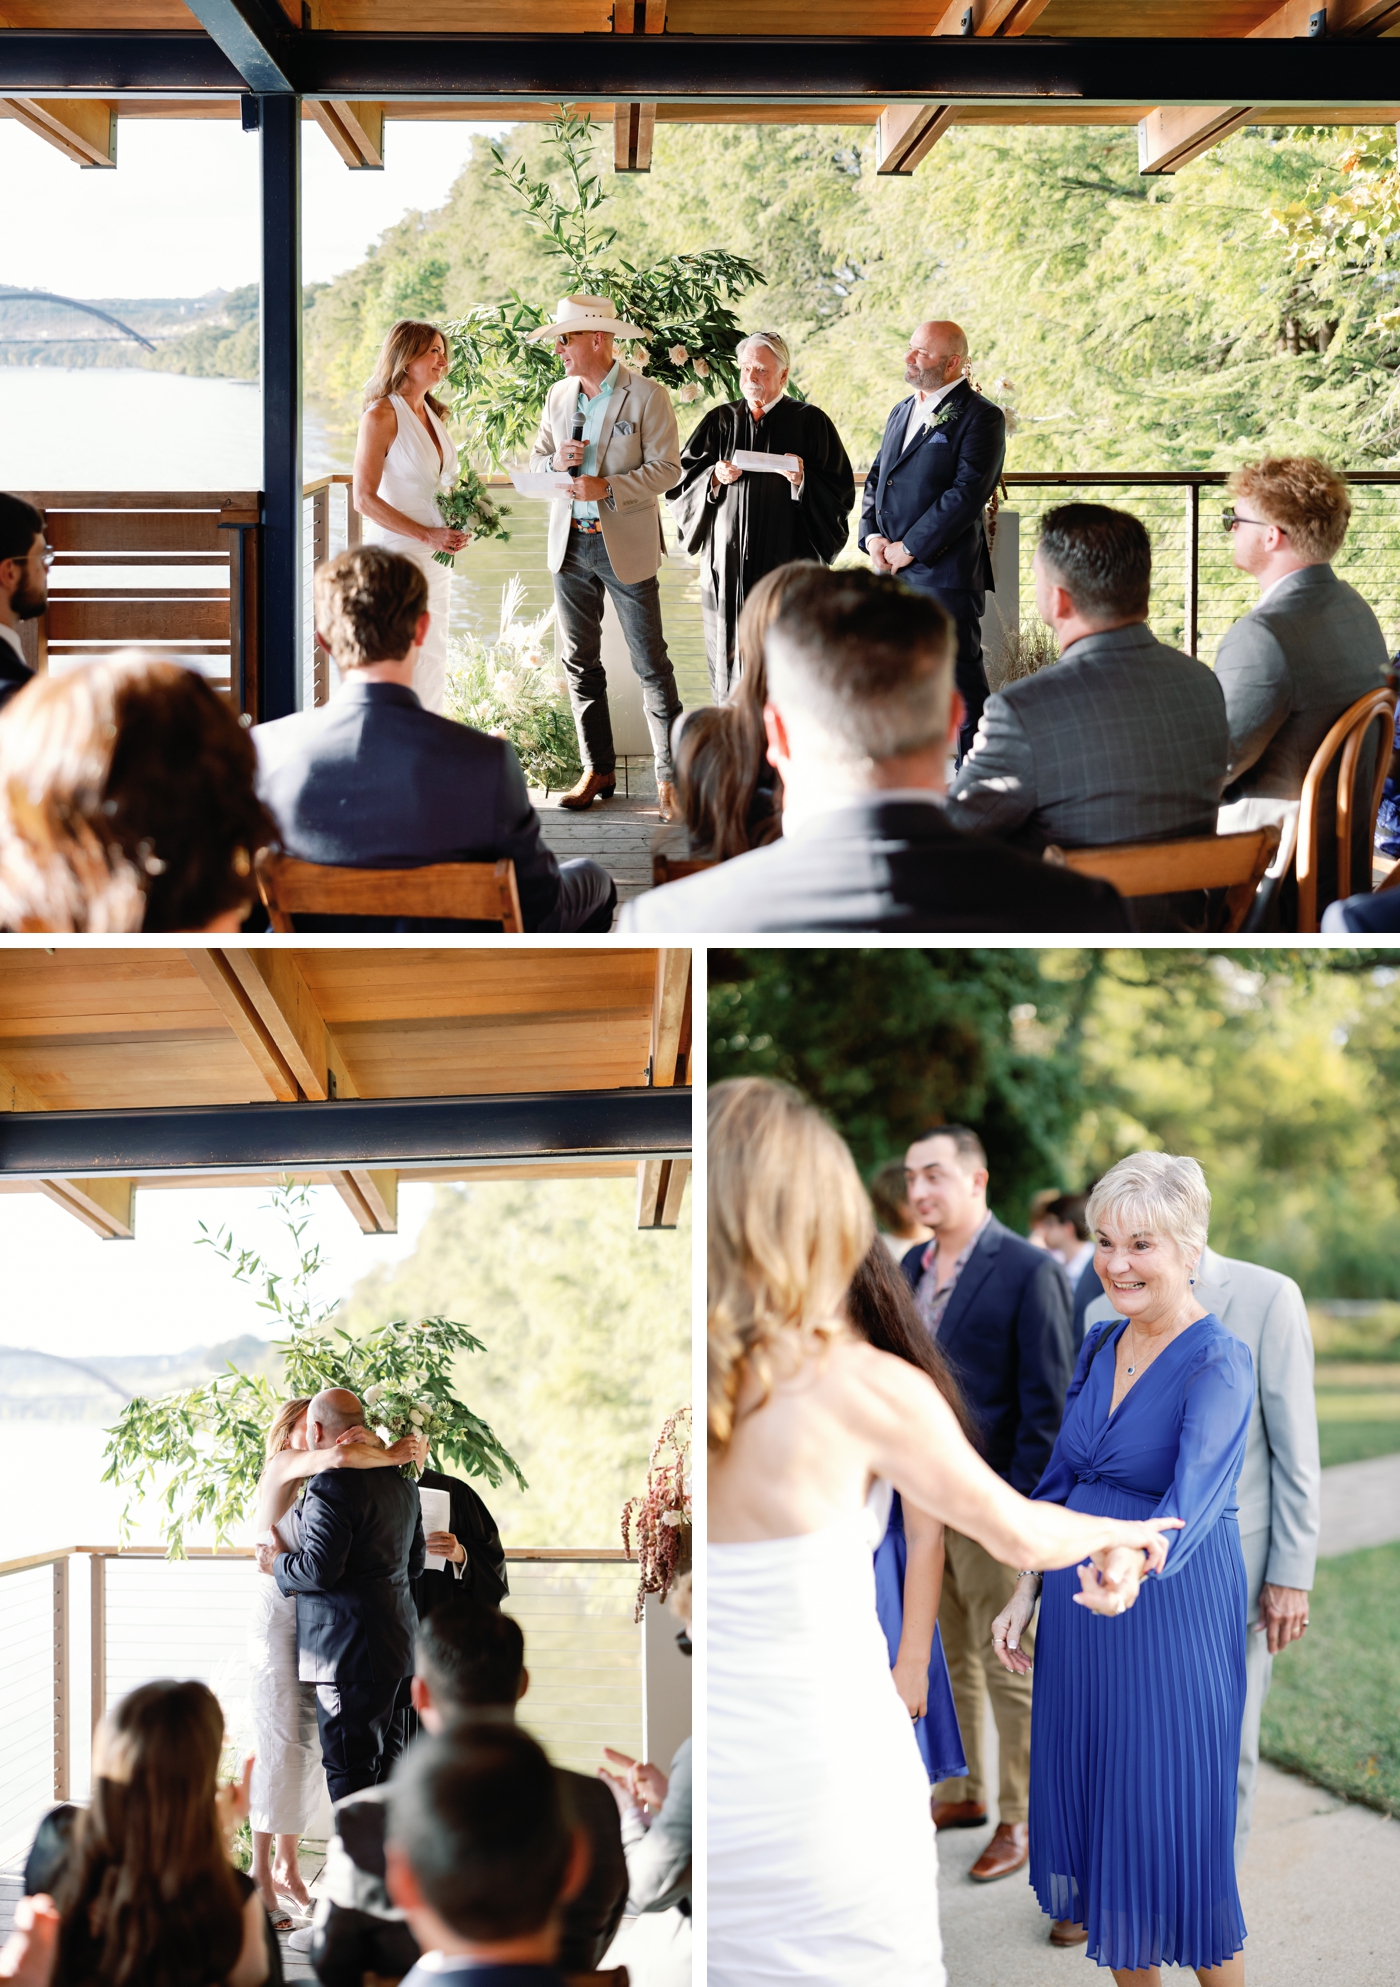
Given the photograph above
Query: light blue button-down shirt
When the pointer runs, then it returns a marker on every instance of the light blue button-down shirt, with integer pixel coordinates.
(592, 422)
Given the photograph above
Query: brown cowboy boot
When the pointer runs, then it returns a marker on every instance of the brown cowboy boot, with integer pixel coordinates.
(592, 786)
(668, 804)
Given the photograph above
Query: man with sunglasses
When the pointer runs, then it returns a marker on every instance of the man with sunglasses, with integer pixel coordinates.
(1308, 648)
(24, 591)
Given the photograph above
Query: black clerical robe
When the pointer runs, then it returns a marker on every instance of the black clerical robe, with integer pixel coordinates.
(742, 530)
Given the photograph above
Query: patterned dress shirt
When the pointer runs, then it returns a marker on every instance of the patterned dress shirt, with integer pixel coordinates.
(932, 1297)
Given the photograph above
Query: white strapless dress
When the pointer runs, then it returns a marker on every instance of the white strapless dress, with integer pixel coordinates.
(820, 1847)
(289, 1782)
(412, 479)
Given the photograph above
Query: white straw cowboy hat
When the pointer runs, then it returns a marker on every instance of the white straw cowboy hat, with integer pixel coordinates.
(585, 314)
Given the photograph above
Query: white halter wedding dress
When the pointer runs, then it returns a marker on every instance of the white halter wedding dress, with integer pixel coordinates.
(821, 1858)
(289, 1784)
(413, 475)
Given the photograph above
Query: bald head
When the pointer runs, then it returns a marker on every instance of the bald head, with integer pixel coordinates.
(330, 1414)
(936, 356)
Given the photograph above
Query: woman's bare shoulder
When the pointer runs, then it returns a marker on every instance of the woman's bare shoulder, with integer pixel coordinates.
(380, 414)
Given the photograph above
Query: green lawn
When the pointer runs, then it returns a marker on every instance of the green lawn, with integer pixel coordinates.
(1358, 1410)
(1334, 1709)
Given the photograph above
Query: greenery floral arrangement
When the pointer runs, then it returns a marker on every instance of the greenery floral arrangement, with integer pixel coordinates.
(510, 686)
(681, 302)
(469, 506)
(657, 1525)
(212, 1438)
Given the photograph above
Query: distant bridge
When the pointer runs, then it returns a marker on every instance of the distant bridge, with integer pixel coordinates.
(73, 1365)
(8, 296)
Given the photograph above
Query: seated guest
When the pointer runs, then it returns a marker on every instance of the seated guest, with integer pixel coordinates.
(126, 803)
(1124, 739)
(470, 1672)
(1310, 645)
(860, 716)
(373, 781)
(482, 1859)
(24, 588)
(145, 1890)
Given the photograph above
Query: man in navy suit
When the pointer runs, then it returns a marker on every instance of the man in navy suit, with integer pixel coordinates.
(361, 1545)
(925, 494)
(1067, 1235)
(1000, 1310)
(373, 781)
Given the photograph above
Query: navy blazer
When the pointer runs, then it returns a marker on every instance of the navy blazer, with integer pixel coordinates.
(1006, 1335)
(1088, 1288)
(361, 1545)
(932, 495)
(373, 781)
(470, 1974)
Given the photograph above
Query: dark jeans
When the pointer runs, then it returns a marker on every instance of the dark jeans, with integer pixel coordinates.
(580, 587)
(587, 898)
(358, 1744)
(965, 608)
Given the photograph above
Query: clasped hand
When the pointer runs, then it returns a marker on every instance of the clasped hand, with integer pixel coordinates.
(886, 557)
(442, 538)
(639, 1784)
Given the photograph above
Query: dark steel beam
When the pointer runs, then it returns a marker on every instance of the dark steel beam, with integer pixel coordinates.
(755, 69)
(254, 35)
(392, 1132)
(279, 667)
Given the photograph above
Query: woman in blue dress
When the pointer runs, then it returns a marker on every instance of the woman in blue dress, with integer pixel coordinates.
(909, 1558)
(1135, 1728)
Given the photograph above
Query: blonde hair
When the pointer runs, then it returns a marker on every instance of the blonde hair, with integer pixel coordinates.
(283, 1422)
(788, 1222)
(404, 342)
(1303, 496)
(1155, 1193)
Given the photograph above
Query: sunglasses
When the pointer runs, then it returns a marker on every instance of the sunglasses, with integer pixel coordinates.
(1229, 520)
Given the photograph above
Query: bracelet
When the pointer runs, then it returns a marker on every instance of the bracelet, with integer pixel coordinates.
(1028, 1573)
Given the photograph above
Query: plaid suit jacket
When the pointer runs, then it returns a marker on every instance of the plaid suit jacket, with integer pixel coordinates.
(1122, 740)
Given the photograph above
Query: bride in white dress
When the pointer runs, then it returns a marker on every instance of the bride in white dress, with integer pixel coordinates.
(821, 1858)
(404, 459)
(289, 1782)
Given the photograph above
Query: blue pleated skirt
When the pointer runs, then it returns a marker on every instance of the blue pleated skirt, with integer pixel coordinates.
(1135, 1740)
(939, 1739)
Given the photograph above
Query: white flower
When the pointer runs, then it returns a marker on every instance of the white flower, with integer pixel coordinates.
(1002, 386)
(702, 368)
(415, 1417)
(641, 357)
(678, 355)
(374, 1393)
(385, 1437)
(673, 1517)
(690, 391)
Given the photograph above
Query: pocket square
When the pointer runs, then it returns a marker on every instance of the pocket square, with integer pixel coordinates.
(940, 441)
(623, 428)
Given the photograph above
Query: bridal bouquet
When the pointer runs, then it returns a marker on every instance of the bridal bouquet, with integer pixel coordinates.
(397, 1411)
(469, 507)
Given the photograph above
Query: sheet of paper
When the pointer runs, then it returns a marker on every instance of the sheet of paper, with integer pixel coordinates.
(539, 482)
(752, 458)
(437, 1517)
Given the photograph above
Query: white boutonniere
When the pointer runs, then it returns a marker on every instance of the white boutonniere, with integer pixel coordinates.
(942, 416)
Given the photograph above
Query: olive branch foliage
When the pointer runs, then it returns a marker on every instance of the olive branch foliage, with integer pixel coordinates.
(209, 1442)
(682, 303)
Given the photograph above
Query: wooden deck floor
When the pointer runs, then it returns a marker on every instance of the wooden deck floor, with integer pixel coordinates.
(617, 833)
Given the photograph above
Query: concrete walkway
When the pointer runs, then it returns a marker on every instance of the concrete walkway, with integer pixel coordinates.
(1360, 1507)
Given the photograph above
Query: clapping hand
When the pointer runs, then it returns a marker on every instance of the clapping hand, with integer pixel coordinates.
(640, 1785)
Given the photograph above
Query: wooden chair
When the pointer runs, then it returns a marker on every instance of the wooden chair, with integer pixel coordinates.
(439, 892)
(616, 1976)
(1233, 863)
(670, 869)
(1346, 737)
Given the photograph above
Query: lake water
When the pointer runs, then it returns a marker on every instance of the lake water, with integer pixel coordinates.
(125, 429)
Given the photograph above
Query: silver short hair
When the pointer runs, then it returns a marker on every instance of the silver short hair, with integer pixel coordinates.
(775, 342)
(1155, 1193)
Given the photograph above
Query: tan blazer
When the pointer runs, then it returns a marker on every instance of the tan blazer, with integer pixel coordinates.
(639, 450)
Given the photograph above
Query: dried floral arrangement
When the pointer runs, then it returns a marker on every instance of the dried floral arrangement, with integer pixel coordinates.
(659, 1520)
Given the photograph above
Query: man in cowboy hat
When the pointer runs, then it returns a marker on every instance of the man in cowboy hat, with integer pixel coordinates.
(605, 534)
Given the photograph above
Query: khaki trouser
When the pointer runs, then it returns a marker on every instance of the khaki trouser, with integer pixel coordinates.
(975, 1590)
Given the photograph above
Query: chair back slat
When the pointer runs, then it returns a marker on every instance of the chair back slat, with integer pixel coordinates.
(441, 892)
(1233, 863)
(670, 869)
(1347, 737)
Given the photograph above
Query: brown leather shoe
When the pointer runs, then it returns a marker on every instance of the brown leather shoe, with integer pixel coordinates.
(668, 804)
(959, 1814)
(1064, 1932)
(593, 786)
(1008, 1850)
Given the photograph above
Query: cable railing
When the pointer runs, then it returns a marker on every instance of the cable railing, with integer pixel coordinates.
(148, 1616)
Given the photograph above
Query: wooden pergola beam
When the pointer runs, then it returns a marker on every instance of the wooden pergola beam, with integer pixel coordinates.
(661, 1182)
(372, 1197)
(272, 983)
(107, 1207)
(356, 130)
(634, 124)
(84, 131)
(1170, 139)
(219, 979)
(905, 134)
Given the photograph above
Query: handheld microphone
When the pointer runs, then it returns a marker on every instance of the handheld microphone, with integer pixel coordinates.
(578, 417)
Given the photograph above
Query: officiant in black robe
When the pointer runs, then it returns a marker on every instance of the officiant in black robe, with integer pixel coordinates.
(741, 523)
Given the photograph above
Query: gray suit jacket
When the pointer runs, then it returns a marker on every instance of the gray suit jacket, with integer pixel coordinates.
(1122, 740)
(1280, 1488)
(1289, 669)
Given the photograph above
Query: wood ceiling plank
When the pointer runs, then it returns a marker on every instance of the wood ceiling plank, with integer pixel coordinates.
(77, 16)
(271, 980)
(16, 1095)
(114, 1075)
(1137, 18)
(249, 1030)
(491, 1056)
(384, 984)
(670, 1017)
(86, 992)
(438, 17)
